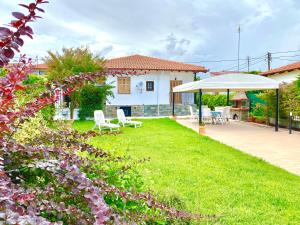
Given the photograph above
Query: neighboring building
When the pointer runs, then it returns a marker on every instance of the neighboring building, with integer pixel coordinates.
(149, 94)
(39, 69)
(284, 74)
(220, 73)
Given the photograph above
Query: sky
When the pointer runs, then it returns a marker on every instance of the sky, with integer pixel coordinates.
(202, 32)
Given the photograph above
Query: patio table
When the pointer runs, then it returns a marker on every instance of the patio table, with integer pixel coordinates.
(216, 114)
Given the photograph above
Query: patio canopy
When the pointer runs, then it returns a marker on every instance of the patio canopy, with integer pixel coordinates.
(235, 82)
(230, 82)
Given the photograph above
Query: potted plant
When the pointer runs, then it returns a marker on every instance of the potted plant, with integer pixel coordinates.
(201, 128)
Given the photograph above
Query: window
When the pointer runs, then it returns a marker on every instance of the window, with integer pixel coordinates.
(123, 85)
(149, 85)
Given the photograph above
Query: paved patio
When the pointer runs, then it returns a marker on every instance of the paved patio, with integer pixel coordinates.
(279, 148)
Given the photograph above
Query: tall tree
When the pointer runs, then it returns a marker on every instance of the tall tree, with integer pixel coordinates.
(72, 61)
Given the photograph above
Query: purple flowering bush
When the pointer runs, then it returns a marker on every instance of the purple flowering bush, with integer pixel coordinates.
(55, 177)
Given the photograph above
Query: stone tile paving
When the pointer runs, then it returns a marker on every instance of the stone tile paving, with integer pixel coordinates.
(278, 148)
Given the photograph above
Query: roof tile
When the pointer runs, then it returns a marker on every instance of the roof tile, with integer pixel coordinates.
(139, 62)
(282, 69)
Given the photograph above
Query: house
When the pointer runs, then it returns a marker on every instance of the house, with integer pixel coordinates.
(284, 74)
(220, 73)
(39, 69)
(149, 92)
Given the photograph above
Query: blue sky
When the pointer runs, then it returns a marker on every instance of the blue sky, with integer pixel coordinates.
(183, 30)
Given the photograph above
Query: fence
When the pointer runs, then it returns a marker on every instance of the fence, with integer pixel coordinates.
(292, 120)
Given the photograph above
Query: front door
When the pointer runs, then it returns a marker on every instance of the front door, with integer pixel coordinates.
(127, 110)
(178, 96)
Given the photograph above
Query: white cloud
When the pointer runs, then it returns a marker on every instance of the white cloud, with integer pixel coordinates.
(186, 30)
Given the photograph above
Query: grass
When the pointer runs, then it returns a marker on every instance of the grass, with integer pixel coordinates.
(209, 177)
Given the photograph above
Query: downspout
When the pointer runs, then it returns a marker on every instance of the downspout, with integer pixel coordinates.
(195, 94)
(157, 96)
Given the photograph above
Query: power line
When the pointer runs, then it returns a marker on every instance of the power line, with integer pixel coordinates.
(286, 56)
(239, 44)
(292, 60)
(245, 65)
(252, 64)
(285, 52)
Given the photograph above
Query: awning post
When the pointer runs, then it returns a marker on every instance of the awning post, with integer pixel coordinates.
(173, 104)
(227, 97)
(200, 106)
(277, 111)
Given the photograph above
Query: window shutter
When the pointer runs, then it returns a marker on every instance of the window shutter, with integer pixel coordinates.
(178, 96)
(124, 85)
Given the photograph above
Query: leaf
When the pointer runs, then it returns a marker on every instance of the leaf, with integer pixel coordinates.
(29, 35)
(39, 9)
(8, 53)
(25, 6)
(14, 45)
(4, 31)
(18, 15)
(28, 30)
(3, 118)
(19, 41)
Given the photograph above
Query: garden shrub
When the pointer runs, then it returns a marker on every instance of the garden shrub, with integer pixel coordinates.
(213, 100)
(31, 129)
(35, 85)
(53, 177)
(91, 98)
(289, 101)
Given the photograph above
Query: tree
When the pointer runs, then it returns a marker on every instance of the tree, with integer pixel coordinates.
(92, 97)
(73, 61)
(298, 82)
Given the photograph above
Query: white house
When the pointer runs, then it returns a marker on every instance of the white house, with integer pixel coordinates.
(149, 92)
(284, 74)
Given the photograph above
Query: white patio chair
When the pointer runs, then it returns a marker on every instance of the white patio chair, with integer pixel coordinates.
(227, 113)
(197, 111)
(206, 115)
(222, 117)
(102, 123)
(123, 121)
(193, 115)
(219, 108)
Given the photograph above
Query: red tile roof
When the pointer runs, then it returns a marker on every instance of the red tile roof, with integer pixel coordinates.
(282, 69)
(139, 62)
(223, 73)
(42, 66)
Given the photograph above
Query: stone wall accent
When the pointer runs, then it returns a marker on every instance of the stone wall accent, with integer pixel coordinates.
(110, 111)
(243, 115)
(137, 110)
(151, 110)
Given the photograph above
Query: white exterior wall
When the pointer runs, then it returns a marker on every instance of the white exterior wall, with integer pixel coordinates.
(287, 77)
(161, 93)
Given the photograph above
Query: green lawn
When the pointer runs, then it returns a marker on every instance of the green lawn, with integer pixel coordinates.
(209, 177)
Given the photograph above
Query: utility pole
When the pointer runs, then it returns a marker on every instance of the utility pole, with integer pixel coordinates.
(239, 42)
(37, 60)
(248, 63)
(269, 56)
